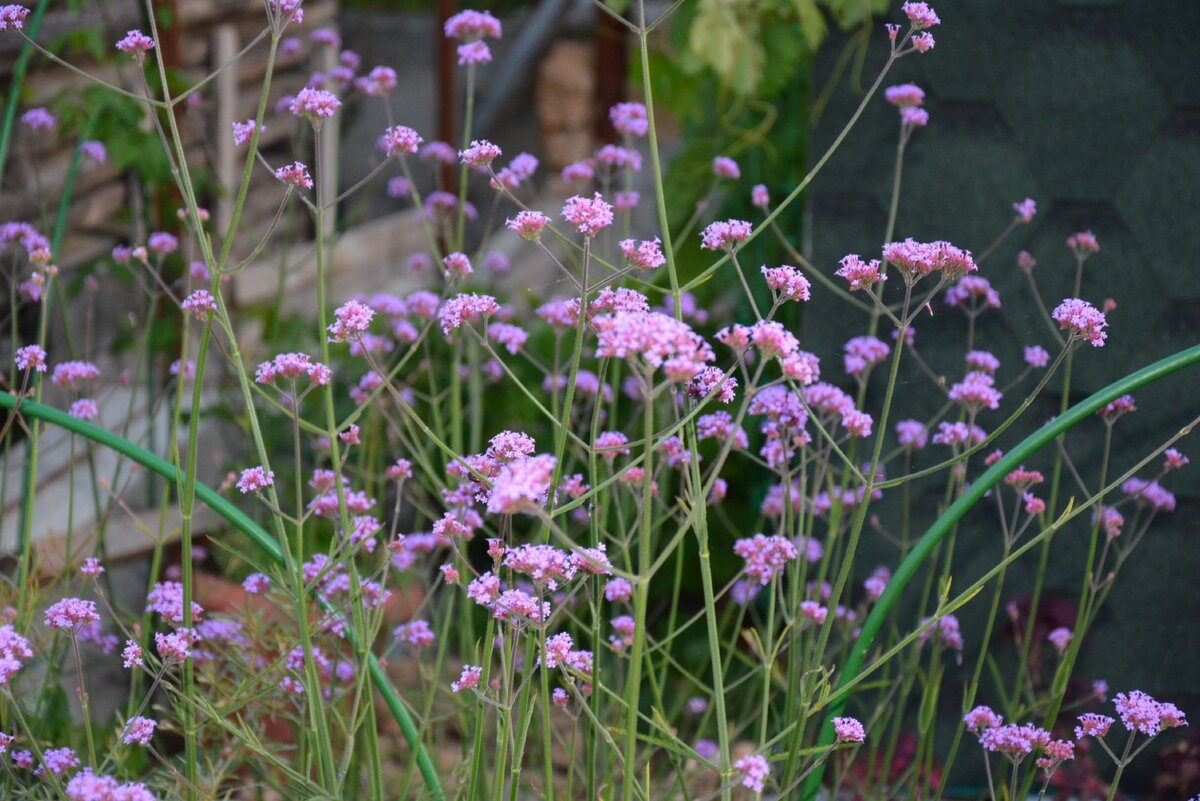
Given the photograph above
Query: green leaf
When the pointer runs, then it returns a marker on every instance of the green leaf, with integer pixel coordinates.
(812, 22)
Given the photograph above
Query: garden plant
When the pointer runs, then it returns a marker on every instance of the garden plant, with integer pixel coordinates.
(546, 478)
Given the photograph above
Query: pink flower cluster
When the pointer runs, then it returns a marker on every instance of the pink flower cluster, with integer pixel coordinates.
(315, 104)
(657, 339)
(919, 259)
(290, 367)
(14, 650)
(765, 556)
(465, 308)
(755, 771)
(589, 216)
(1141, 713)
(352, 320)
(136, 44)
(645, 255)
(860, 274)
(1082, 319)
(71, 613)
(788, 282)
(725, 234)
(255, 479)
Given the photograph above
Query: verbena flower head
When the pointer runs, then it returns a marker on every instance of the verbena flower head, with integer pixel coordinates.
(352, 320)
(1084, 244)
(725, 234)
(14, 650)
(166, 599)
(1014, 741)
(31, 357)
(138, 731)
(315, 104)
(255, 479)
(73, 374)
(71, 613)
(849, 730)
(244, 131)
(379, 81)
(914, 117)
(528, 224)
(200, 303)
(1036, 356)
(920, 15)
(1082, 320)
(765, 556)
(976, 392)
(1141, 713)
(136, 44)
(465, 308)
(973, 294)
(918, 259)
(860, 274)
(912, 434)
(981, 718)
(755, 770)
(629, 119)
(645, 255)
(295, 175)
(1026, 209)
(588, 216)
(863, 353)
(471, 24)
(905, 95)
(400, 139)
(457, 265)
(12, 17)
(480, 154)
(655, 339)
(725, 167)
(1093, 725)
(39, 119)
(521, 485)
(788, 282)
(291, 367)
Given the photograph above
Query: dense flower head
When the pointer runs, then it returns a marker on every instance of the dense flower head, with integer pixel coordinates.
(545, 565)
(290, 367)
(1149, 493)
(512, 337)
(12, 17)
(765, 556)
(849, 730)
(1141, 713)
(1023, 478)
(295, 175)
(644, 255)
(315, 104)
(973, 293)
(760, 197)
(788, 282)
(1121, 406)
(70, 375)
(480, 154)
(977, 391)
(200, 303)
(589, 216)
(175, 646)
(135, 43)
(920, 15)
(1014, 741)
(166, 598)
(14, 650)
(725, 167)
(1082, 320)
(958, 433)
(905, 95)
(860, 274)
(528, 224)
(1026, 209)
(981, 718)
(946, 630)
(244, 131)
(713, 379)
(131, 655)
(465, 308)
(755, 771)
(1036, 356)
(725, 234)
(71, 613)
(863, 353)
(773, 339)
(917, 259)
(1054, 753)
(1093, 725)
(914, 117)
(521, 485)
(657, 339)
(912, 434)
(1060, 638)
(39, 119)
(629, 119)
(57, 761)
(400, 139)
(1174, 460)
(138, 731)
(983, 361)
(471, 24)
(351, 321)
(255, 479)
(1084, 243)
